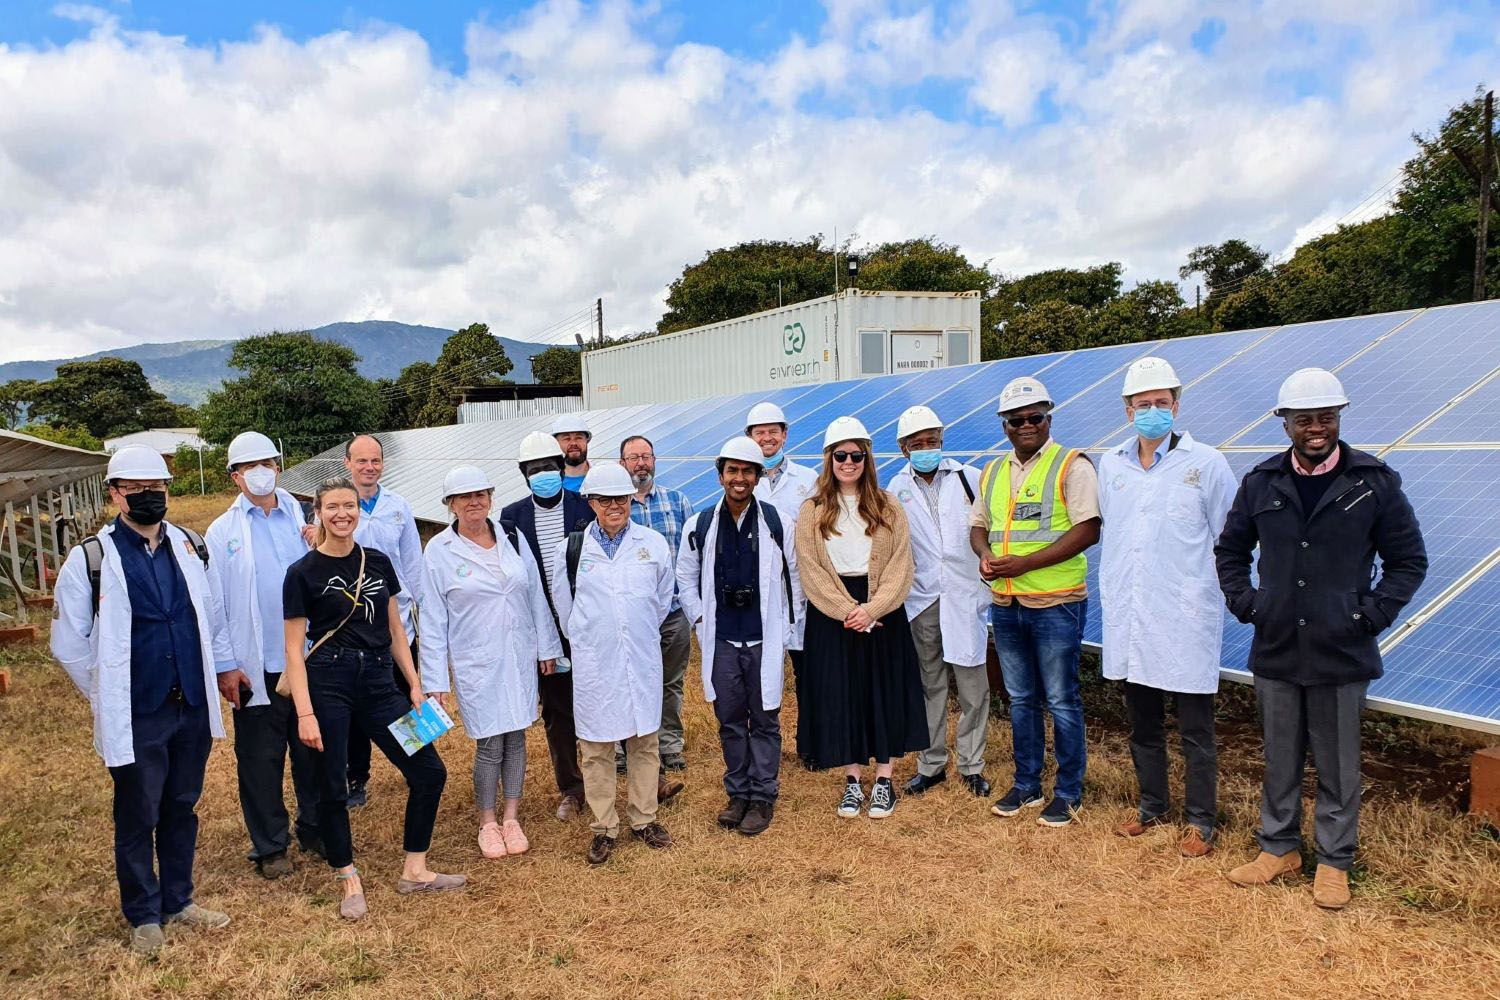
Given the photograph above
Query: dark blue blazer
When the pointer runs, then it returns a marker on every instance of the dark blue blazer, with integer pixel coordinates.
(521, 515)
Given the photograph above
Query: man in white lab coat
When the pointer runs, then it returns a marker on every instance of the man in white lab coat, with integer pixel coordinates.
(613, 587)
(250, 547)
(949, 604)
(734, 577)
(139, 628)
(386, 523)
(784, 485)
(1164, 498)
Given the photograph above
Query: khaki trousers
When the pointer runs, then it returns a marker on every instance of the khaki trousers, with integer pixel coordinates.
(600, 784)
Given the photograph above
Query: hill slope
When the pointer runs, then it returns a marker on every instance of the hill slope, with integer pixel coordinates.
(186, 370)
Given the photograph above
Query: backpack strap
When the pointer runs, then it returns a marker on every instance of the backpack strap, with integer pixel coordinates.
(199, 546)
(773, 524)
(968, 490)
(511, 535)
(573, 556)
(93, 559)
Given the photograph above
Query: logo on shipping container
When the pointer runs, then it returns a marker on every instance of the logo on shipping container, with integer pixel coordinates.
(793, 338)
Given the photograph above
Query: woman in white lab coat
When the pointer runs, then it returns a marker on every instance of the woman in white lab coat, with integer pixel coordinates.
(484, 611)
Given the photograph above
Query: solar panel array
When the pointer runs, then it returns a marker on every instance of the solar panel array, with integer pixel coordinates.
(1425, 386)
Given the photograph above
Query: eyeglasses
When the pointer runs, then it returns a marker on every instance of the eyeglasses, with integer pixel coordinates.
(611, 501)
(849, 456)
(1034, 419)
(132, 489)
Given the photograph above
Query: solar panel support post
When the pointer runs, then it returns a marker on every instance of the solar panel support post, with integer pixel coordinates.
(1486, 177)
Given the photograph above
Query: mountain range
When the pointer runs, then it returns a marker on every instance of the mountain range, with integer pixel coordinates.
(185, 371)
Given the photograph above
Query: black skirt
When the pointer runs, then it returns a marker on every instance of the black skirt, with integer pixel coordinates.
(862, 693)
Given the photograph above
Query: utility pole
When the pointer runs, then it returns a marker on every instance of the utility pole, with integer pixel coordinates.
(1486, 176)
(599, 319)
(1197, 300)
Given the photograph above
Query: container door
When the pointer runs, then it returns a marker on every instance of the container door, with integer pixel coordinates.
(915, 351)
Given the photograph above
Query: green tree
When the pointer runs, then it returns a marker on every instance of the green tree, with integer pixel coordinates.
(1249, 306)
(1225, 267)
(1051, 325)
(295, 388)
(1355, 270)
(16, 397)
(557, 366)
(471, 356)
(405, 395)
(71, 435)
(108, 397)
(748, 278)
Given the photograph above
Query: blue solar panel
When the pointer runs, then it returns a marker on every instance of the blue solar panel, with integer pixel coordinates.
(1451, 662)
(1475, 419)
(1411, 374)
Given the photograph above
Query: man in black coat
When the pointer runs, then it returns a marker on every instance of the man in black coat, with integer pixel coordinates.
(1320, 512)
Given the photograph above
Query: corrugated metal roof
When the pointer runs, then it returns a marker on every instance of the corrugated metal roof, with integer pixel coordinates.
(29, 465)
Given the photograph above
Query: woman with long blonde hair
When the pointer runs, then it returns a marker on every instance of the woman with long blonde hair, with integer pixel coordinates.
(863, 691)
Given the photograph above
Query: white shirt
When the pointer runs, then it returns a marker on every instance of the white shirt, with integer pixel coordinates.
(786, 493)
(1158, 587)
(849, 546)
(549, 531)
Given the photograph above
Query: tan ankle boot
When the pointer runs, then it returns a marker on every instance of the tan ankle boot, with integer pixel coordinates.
(1331, 888)
(1266, 868)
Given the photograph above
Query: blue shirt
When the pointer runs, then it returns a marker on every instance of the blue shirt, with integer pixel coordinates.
(368, 506)
(1163, 446)
(574, 483)
(276, 540)
(609, 545)
(665, 511)
(165, 650)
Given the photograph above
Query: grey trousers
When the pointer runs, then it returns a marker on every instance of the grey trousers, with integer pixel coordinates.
(1324, 718)
(749, 734)
(676, 645)
(973, 686)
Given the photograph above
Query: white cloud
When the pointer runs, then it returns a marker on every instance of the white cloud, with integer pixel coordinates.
(155, 190)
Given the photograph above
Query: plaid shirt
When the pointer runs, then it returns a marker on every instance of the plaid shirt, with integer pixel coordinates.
(665, 511)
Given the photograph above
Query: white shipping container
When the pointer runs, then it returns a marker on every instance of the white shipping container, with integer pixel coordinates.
(849, 335)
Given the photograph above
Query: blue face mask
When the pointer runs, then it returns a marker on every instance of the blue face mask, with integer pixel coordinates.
(774, 460)
(546, 484)
(1153, 423)
(927, 459)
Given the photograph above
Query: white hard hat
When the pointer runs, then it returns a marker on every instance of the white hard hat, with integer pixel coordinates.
(742, 449)
(538, 445)
(917, 418)
(570, 423)
(764, 413)
(1146, 374)
(251, 446)
(465, 479)
(607, 479)
(1023, 391)
(136, 462)
(1310, 389)
(844, 429)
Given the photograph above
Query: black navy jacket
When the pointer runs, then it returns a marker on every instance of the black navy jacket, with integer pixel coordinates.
(521, 515)
(1319, 606)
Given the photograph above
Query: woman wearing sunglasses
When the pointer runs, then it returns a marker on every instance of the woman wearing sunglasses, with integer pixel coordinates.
(863, 694)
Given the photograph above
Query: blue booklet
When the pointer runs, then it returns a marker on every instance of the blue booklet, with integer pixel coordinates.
(419, 727)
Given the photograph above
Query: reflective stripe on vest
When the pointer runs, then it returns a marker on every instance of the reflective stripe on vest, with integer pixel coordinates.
(1044, 521)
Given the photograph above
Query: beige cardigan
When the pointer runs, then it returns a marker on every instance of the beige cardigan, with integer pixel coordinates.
(890, 565)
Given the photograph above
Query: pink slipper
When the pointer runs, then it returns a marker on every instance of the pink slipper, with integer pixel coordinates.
(491, 841)
(515, 838)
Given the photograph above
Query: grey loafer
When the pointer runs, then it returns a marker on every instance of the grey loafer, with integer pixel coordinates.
(353, 907)
(439, 883)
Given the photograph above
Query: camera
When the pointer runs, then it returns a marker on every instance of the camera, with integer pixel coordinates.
(738, 597)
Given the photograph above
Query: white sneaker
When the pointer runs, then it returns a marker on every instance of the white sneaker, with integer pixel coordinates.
(882, 800)
(853, 800)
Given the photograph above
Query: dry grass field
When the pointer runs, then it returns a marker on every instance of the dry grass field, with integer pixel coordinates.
(941, 900)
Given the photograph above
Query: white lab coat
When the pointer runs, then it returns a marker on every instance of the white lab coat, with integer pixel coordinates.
(96, 655)
(945, 565)
(700, 601)
(392, 528)
(795, 484)
(1163, 611)
(613, 627)
(231, 560)
(491, 626)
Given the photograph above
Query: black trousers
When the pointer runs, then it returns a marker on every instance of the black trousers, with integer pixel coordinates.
(749, 734)
(803, 720)
(359, 740)
(156, 825)
(562, 736)
(1148, 749)
(264, 736)
(349, 687)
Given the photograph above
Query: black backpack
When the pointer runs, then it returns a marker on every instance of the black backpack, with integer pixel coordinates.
(93, 558)
(699, 535)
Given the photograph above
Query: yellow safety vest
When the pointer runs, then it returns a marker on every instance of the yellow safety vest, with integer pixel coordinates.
(1030, 521)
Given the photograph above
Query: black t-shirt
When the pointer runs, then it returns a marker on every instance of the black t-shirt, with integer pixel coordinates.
(320, 587)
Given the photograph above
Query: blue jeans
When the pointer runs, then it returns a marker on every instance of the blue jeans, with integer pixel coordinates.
(1038, 650)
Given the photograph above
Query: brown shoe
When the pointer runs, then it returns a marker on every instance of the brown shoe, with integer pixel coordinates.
(600, 849)
(1266, 868)
(667, 789)
(733, 813)
(1331, 888)
(568, 808)
(1136, 827)
(1194, 844)
(653, 835)
(757, 818)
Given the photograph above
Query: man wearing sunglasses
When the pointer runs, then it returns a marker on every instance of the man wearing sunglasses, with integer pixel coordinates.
(1036, 512)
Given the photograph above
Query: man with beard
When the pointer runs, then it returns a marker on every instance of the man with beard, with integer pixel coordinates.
(573, 435)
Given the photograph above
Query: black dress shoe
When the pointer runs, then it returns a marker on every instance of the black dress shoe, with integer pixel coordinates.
(757, 818)
(977, 784)
(733, 813)
(921, 782)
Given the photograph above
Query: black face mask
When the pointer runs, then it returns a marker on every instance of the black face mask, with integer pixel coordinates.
(147, 506)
